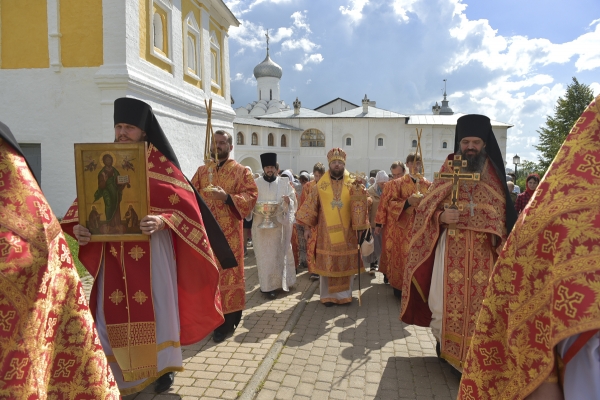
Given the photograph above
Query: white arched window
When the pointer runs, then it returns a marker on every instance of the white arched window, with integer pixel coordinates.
(254, 139)
(414, 143)
(158, 25)
(215, 60)
(270, 140)
(191, 48)
(283, 141)
(444, 145)
(312, 138)
(159, 20)
(380, 142)
(348, 141)
(240, 138)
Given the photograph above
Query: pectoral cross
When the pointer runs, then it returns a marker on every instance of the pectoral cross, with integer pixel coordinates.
(456, 164)
(337, 203)
(471, 205)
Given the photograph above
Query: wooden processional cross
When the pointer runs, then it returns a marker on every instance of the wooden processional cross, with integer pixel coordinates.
(456, 176)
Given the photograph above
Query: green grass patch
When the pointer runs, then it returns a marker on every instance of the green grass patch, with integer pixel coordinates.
(74, 247)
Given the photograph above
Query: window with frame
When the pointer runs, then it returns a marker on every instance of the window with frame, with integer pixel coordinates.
(348, 141)
(414, 143)
(191, 47)
(215, 60)
(160, 29)
(270, 140)
(312, 138)
(444, 145)
(240, 138)
(380, 142)
(254, 139)
(283, 141)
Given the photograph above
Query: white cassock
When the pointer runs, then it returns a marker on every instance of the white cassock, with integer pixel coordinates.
(166, 310)
(273, 246)
(582, 373)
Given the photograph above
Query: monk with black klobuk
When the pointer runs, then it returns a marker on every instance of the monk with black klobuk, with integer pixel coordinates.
(150, 298)
(455, 244)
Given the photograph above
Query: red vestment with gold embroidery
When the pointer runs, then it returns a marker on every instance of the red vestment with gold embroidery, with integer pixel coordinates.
(128, 302)
(468, 260)
(311, 243)
(546, 284)
(237, 181)
(49, 346)
(397, 225)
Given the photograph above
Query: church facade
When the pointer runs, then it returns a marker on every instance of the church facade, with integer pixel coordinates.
(372, 137)
(64, 62)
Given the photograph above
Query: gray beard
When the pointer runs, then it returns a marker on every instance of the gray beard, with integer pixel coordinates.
(474, 163)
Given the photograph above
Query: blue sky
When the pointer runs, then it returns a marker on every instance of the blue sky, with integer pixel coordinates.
(509, 59)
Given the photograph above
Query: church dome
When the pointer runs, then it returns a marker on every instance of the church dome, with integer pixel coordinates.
(268, 68)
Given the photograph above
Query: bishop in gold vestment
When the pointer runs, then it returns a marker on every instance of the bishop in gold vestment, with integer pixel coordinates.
(337, 207)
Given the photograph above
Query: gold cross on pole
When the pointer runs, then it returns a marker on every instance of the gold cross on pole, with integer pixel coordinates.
(456, 177)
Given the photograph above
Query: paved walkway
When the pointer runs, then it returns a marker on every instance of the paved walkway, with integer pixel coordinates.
(295, 348)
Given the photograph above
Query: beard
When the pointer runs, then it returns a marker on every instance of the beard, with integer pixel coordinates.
(336, 174)
(269, 177)
(221, 155)
(475, 162)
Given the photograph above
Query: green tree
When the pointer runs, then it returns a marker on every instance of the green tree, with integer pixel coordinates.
(566, 113)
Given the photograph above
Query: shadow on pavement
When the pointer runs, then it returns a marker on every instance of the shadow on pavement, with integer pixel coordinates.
(423, 377)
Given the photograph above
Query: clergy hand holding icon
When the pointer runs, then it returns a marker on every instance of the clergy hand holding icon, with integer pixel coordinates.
(148, 225)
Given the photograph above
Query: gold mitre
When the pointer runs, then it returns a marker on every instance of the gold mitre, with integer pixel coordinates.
(336, 154)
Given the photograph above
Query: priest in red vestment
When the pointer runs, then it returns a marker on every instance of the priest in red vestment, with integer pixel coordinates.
(459, 228)
(537, 336)
(150, 298)
(49, 347)
(395, 215)
(233, 200)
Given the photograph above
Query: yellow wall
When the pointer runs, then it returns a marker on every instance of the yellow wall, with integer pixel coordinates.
(146, 41)
(24, 34)
(81, 28)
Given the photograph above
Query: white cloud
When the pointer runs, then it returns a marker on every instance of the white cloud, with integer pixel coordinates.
(354, 10)
(238, 77)
(298, 67)
(595, 86)
(299, 18)
(280, 34)
(313, 58)
(308, 81)
(402, 7)
(304, 43)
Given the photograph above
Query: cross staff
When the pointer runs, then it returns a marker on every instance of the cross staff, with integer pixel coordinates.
(456, 164)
